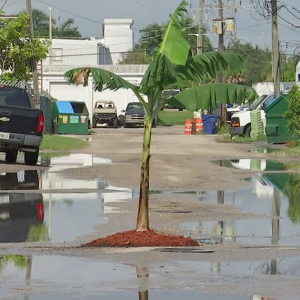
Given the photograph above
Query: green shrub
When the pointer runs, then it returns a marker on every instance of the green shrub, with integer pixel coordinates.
(293, 111)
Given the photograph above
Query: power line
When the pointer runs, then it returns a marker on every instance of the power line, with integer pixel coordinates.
(3, 4)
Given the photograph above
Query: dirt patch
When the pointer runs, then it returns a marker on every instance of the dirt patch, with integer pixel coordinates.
(149, 238)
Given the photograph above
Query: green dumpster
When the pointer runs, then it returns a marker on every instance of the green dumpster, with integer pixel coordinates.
(46, 108)
(276, 125)
(71, 117)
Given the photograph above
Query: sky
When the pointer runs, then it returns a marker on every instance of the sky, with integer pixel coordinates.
(251, 27)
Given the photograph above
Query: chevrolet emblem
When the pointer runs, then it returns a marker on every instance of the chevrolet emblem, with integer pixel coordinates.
(4, 119)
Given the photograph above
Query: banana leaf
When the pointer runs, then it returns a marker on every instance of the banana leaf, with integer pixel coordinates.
(209, 95)
(174, 45)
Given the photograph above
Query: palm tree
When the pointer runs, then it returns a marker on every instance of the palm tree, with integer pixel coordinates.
(171, 65)
(66, 29)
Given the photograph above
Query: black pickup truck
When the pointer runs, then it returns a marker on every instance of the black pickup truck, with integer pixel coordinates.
(21, 125)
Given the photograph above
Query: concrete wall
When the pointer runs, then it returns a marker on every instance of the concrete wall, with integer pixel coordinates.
(118, 37)
(74, 52)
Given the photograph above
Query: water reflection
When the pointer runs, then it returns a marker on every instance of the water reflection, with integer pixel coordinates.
(253, 164)
(68, 275)
(274, 196)
(21, 214)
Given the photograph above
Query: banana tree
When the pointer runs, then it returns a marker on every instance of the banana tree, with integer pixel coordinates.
(171, 65)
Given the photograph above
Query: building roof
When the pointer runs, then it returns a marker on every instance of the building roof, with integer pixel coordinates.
(118, 69)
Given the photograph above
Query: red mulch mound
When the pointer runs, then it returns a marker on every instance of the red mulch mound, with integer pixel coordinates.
(149, 238)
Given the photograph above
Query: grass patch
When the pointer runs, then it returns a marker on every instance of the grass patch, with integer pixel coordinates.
(61, 143)
(292, 151)
(226, 138)
(167, 118)
(224, 129)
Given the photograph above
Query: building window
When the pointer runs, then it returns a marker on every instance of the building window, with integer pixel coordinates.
(57, 54)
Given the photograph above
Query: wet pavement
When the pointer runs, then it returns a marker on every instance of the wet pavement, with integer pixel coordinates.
(35, 212)
(276, 197)
(60, 277)
(29, 214)
(252, 164)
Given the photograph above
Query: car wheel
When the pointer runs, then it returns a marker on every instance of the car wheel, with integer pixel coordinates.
(126, 125)
(247, 131)
(31, 158)
(11, 156)
(116, 123)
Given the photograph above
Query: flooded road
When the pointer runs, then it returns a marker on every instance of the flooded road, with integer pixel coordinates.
(60, 277)
(274, 196)
(47, 207)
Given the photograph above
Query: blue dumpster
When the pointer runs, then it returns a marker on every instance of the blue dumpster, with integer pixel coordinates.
(209, 123)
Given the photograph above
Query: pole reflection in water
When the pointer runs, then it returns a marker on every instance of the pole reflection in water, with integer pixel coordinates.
(221, 200)
(275, 209)
(28, 274)
(142, 273)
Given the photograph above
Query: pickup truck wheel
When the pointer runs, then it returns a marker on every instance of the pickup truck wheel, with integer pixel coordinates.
(11, 156)
(31, 158)
(247, 131)
(116, 123)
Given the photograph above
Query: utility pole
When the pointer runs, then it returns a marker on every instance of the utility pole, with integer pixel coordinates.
(275, 48)
(34, 64)
(233, 15)
(221, 49)
(50, 35)
(200, 31)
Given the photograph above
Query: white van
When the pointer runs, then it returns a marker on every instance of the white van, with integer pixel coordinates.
(240, 123)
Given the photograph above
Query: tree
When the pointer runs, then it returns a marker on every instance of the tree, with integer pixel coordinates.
(288, 69)
(138, 56)
(17, 51)
(66, 29)
(170, 65)
(258, 66)
(293, 112)
(41, 23)
(152, 36)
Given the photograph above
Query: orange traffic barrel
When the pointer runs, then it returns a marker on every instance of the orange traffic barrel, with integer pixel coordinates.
(199, 124)
(188, 127)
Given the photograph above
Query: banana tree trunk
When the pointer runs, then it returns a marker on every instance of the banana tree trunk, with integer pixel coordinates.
(143, 212)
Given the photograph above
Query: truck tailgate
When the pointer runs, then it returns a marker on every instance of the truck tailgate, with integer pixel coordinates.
(19, 120)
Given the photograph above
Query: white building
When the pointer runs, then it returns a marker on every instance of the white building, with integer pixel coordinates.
(104, 53)
(117, 39)
(55, 83)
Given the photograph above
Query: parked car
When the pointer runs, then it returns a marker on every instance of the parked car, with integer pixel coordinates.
(21, 125)
(134, 114)
(105, 112)
(240, 123)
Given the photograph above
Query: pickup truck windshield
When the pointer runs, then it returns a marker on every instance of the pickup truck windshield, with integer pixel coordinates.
(12, 96)
(134, 106)
(257, 102)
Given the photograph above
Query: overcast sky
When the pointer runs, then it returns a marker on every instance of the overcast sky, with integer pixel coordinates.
(89, 14)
